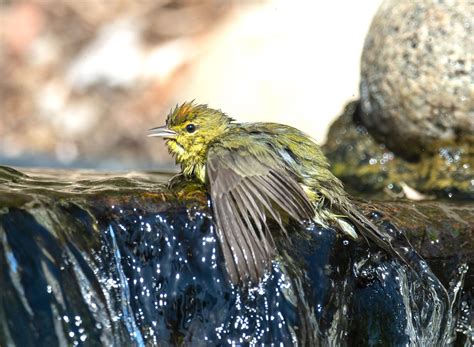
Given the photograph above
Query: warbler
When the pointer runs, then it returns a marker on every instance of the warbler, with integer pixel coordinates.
(257, 171)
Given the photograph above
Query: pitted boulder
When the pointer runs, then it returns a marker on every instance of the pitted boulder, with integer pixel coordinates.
(417, 74)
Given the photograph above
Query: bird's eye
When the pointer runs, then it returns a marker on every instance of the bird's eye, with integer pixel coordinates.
(190, 128)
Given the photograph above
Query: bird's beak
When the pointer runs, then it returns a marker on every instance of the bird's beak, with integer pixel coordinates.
(161, 132)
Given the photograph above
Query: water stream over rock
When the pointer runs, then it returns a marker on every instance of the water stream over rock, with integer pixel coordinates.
(92, 258)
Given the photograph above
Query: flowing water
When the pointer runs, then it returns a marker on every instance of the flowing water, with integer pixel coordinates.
(92, 258)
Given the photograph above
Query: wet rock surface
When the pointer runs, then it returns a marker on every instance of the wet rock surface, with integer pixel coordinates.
(101, 259)
(417, 73)
(365, 165)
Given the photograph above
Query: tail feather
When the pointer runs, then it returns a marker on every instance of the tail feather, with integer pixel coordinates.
(371, 232)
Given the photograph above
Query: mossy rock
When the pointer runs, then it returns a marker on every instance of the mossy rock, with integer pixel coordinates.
(367, 166)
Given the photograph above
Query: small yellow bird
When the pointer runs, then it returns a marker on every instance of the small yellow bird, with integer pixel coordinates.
(254, 171)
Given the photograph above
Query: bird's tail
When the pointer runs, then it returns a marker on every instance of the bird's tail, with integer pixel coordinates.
(372, 233)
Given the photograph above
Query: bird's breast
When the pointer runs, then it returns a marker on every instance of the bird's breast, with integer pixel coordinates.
(194, 169)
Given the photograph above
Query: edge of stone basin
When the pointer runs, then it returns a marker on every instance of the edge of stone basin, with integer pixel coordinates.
(436, 228)
(440, 231)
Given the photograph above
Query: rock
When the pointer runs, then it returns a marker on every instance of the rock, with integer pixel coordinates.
(367, 166)
(417, 74)
(123, 260)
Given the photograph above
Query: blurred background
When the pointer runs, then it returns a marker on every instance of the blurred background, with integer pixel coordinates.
(82, 80)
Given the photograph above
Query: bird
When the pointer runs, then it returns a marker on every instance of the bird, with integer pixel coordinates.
(256, 172)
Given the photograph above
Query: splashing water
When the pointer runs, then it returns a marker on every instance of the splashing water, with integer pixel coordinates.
(104, 261)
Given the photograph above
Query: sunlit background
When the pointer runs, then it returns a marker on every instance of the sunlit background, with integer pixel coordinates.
(82, 80)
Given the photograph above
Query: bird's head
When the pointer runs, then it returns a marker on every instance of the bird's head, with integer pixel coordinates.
(189, 130)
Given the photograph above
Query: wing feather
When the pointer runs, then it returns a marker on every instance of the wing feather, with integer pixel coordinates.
(240, 235)
(226, 246)
(244, 214)
(305, 208)
(262, 199)
(245, 189)
(259, 220)
(293, 207)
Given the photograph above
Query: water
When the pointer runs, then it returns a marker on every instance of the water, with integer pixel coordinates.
(117, 259)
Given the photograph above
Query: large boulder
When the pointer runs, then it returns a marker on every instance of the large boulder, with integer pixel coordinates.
(417, 75)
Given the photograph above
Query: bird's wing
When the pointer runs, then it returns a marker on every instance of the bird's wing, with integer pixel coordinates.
(245, 189)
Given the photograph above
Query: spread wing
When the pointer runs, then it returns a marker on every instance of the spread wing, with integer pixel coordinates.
(245, 189)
